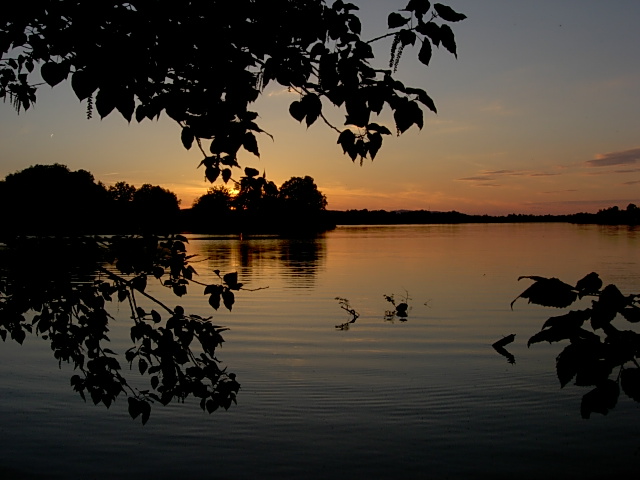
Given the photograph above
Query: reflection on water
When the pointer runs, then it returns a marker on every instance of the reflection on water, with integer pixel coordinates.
(424, 398)
(297, 261)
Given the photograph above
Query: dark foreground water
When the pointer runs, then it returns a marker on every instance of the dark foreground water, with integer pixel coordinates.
(422, 398)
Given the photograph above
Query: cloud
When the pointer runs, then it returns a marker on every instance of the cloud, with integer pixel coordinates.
(569, 190)
(624, 157)
(632, 182)
(478, 178)
(481, 178)
(502, 172)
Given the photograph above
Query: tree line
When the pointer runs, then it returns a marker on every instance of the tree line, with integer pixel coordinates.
(608, 216)
(52, 199)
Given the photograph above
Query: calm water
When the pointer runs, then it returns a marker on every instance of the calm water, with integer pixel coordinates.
(425, 398)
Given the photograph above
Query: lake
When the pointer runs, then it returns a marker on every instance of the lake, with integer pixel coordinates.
(421, 397)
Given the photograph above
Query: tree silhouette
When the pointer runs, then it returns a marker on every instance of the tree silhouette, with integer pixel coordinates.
(300, 196)
(156, 208)
(203, 63)
(121, 192)
(52, 199)
(256, 194)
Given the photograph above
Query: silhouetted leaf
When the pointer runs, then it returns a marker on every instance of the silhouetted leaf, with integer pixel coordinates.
(589, 284)
(139, 282)
(448, 40)
(312, 108)
(623, 346)
(582, 359)
(424, 55)
(550, 335)
(53, 73)
(155, 316)
(346, 138)
(250, 143)
(407, 37)
(419, 7)
(230, 278)
(134, 407)
(548, 292)
(214, 300)
(251, 172)
(297, 111)
(212, 173)
(600, 400)
(407, 114)
(631, 314)
(374, 144)
(423, 98)
(354, 24)
(567, 363)
(211, 406)
(226, 175)
(158, 271)
(630, 382)
(378, 128)
(613, 298)
(431, 30)
(448, 14)
(145, 409)
(179, 289)
(142, 366)
(228, 299)
(573, 319)
(123, 294)
(125, 104)
(187, 137)
(106, 101)
(395, 20)
(18, 334)
(83, 84)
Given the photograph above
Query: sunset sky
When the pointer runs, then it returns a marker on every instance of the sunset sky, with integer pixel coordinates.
(539, 114)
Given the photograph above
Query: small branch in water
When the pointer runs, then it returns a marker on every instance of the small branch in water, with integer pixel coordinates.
(344, 304)
(499, 347)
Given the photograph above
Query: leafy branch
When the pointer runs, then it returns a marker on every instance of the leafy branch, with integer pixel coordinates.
(594, 354)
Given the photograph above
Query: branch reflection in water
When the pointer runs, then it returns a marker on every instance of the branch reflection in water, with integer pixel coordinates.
(59, 289)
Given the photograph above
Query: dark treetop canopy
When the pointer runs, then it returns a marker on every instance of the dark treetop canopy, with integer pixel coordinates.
(203, 62)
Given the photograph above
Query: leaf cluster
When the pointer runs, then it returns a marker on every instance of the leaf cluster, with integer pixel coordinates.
(593, 354)
(204, 63)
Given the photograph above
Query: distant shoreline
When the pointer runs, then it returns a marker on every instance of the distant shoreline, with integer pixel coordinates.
(611, 216)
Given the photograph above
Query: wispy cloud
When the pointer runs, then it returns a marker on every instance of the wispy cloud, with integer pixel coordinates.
(482, 178)
(569, 190)
(631, 182)
(624, 157)
(477, 179)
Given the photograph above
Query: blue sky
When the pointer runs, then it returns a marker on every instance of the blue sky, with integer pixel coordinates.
(539, 114)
